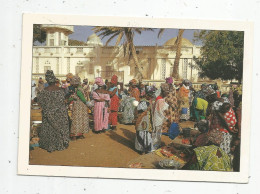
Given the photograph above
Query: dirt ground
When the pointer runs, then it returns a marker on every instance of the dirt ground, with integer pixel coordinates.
(110, 149)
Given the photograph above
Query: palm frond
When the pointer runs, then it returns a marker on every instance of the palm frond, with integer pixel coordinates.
(161, 31)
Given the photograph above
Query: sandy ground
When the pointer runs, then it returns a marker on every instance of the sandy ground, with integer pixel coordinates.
(110, 149)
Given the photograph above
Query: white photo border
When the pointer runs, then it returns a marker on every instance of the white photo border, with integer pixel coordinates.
(128, 173)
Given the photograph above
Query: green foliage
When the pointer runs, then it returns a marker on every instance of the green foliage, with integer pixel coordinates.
(38, 34)
(76, 43)
(221, 54)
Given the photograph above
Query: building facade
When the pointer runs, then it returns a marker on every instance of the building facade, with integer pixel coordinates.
(97, 60)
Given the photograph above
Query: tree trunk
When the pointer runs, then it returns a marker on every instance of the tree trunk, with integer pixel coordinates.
(139, 73)
(175, 72)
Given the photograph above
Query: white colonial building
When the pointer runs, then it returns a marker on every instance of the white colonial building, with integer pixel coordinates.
(95, 59)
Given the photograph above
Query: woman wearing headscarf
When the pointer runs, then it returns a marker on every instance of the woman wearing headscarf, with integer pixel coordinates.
(134, 91)
(86, 89)
(209, 157)
(114, 104)
(159, 116)
(184, 95)
(173, 110)
(54, 133)
(101, 106)
(144, 126)
(127, 107)
(223, 119)
(79, 117)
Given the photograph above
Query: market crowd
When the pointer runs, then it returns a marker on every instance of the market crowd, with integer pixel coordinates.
(152, 110)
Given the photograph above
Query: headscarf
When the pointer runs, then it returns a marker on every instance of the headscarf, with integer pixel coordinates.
(169, 80)
(215, 136)
(226, 100)
(99, 81)
(75, 80)
(85, 80)
(114, 79)
(133, 82)
(49, 76)
(149, 90)
(186, 81)
(69, 75)
(165, 87)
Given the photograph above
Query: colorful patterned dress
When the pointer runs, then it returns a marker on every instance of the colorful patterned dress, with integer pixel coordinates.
(80, 118)
(54, 133)
(144, 127)
(210, 158)
(173, 110)
(184, 102)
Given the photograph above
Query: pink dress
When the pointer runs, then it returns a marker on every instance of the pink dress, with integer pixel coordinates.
(100, 111)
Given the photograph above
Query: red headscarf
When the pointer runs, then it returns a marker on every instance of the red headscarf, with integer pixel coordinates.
(114, 79)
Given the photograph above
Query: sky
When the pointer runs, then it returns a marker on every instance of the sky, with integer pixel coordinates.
(147, 38)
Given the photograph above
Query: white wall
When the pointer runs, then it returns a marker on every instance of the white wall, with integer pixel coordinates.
(10, 60)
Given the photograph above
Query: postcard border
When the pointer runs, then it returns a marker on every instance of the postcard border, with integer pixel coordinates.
(124, 173)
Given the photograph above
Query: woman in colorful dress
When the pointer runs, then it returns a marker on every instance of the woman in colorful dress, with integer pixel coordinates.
(133, 90)
(210, 156)
(86, 89)
(144, 126)
(159, 116)
(173, 110)
(54, 133)
(101, 106)
(184, 96)
(114, 104)
(223, 119)
(79, 117)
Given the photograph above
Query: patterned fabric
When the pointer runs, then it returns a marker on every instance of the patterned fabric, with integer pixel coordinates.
(135, 93)
(215, 136)
(216, 105)
(75, 80)
(144, 128)
(185, 104)
(79, 117)
(216, 124)
(184, 91)
(54, 133)
(100, 111)
(226, 143)
(49, 76)
(173, 110)
(128, 109)
(165, 87)
(99, 81)
(200, 94)
(230, 118)
(212, 158)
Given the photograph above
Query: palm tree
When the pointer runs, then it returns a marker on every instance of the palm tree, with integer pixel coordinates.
(177, 45)
(127, 35)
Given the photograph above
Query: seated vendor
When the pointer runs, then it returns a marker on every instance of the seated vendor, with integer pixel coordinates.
(210, 157)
